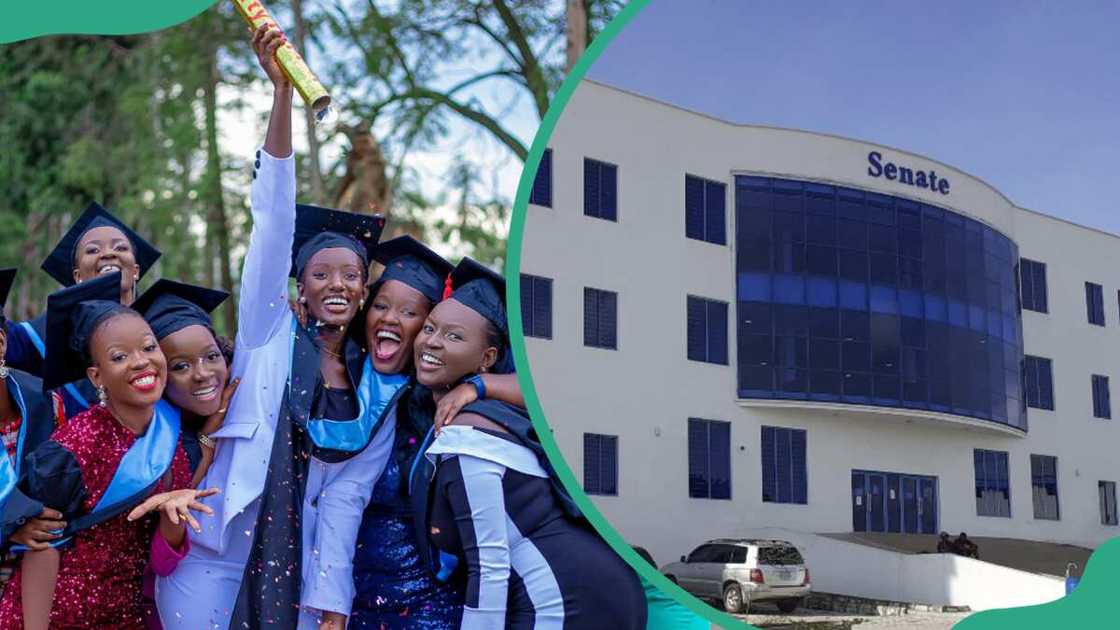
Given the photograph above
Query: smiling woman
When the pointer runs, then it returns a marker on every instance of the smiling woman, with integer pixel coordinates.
(99, 465)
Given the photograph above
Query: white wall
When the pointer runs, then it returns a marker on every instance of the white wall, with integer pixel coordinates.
(836, 566)
(646, 390)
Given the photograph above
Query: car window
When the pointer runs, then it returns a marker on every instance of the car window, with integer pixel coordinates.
(721, 554)
(778, 556)
(700, 554)
(738, 555)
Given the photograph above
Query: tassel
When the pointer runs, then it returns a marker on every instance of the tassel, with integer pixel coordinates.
(447, 287)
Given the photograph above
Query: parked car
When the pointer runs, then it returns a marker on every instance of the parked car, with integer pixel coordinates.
(742, 572)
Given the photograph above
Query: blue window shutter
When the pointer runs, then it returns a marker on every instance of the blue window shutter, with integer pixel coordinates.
(769, 465)
(610, 464)
(697, 335)
(720, 459)
(698, 487)
(798, 476)
(1040, 292)
(715, 213)
(1045, 384)
(590, 317)
(717, 332)
(541, 194)
(609, 192)
(591, 188)
(608, 319)
(693, 207)
(542, 307)
(782, 437)
(591, 449)
(528, 304)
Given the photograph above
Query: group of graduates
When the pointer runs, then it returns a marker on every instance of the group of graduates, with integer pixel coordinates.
(359, 457)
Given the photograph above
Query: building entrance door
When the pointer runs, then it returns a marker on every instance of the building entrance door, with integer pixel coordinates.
(893, 502)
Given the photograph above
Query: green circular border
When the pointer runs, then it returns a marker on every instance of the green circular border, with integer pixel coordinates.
(517, 340)
(22, 19)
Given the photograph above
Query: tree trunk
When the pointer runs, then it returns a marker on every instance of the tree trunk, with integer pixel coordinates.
(576, 25)
(365, 187)
(217, 224)
(312, 138)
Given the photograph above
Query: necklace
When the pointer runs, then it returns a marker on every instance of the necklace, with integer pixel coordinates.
(331, 353)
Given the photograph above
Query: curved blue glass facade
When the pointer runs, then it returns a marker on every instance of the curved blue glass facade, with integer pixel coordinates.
(857, 297)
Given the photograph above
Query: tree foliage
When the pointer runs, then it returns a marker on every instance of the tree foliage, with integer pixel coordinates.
(133, 122)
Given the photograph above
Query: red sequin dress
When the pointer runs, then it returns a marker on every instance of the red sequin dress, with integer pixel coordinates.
(99, 576)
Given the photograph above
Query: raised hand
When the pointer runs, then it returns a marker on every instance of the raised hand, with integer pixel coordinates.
(266, 41)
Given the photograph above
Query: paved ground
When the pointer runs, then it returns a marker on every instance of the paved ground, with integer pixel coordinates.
(819, 620)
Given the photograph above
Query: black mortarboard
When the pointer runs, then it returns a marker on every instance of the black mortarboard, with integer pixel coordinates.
(60, 262)
(483, 290)
(72, 315)
(170, 306)
(321, 228)
(7, 278)
(409, 261)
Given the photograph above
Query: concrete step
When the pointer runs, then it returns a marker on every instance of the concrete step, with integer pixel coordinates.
(880, 607)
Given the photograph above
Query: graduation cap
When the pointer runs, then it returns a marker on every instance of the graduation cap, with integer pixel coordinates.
(484, 291)
(170, 306)
(321, 228)
(60, 262)
(7, 278)
(409, 261)
(72, 315)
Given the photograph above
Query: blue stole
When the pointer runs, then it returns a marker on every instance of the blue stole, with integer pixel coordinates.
(9, 470)
(348, 437)
(139, 470)
(41, 346)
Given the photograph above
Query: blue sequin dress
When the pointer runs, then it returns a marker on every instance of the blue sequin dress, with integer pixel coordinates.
(393, 589)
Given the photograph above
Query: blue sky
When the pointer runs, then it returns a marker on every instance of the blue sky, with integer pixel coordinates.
(1024, 95)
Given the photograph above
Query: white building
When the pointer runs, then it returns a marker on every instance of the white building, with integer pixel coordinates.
(859, 358)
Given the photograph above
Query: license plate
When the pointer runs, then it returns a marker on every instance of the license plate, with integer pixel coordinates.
(785, 575)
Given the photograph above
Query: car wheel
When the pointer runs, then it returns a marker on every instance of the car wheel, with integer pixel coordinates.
(788, 605)
(733, 601)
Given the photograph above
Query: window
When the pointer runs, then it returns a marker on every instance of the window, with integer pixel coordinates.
(784, 479)
(1044, 483)
(1032, 282)
(709, 459)
(1102, 404)
(600, 318)
(541, 194)
(993, 492)
(536, 306)
(1094, 303)
(600, 464)
(707, 330)
(600, 190)
(845, 296)
(1039, 382)
(705, 209)
(1106, 492)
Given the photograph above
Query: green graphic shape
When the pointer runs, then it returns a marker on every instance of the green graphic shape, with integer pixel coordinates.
(1086, 607)
(20, 19)
(517, 340)
(1090, 605)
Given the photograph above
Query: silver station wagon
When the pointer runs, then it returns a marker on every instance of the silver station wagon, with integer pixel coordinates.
(742, 572)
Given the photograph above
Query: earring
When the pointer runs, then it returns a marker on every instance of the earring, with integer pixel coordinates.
(302, 300)
(102, 396)
(4, 370)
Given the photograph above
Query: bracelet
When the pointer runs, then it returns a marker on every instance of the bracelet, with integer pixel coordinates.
(479, 385)
(206, 440)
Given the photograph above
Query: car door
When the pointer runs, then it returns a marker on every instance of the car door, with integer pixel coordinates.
(712, 570)
(688, 574)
